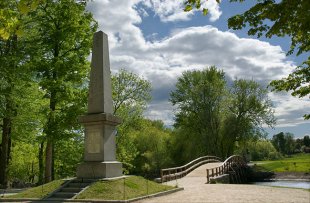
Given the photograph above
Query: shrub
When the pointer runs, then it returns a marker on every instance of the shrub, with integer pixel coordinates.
(263, 150)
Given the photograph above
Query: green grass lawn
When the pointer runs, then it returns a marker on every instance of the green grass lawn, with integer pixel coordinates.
(38, 192)
(295, 163)
(122, 189)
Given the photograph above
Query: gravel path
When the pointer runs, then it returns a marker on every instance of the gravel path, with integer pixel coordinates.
(195, 190)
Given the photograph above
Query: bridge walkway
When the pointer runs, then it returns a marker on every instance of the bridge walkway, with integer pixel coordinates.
(195, 178)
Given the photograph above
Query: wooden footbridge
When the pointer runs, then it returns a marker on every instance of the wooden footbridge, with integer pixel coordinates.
(232, 170)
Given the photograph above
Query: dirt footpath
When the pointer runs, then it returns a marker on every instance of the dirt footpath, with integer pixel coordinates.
(195, 190)
(234, 193)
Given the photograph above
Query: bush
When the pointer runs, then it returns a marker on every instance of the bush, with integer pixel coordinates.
(263, 150)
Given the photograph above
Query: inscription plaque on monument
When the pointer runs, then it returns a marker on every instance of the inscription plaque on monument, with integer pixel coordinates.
(93, 142)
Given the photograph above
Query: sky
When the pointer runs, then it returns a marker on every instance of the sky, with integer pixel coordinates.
(158, 41)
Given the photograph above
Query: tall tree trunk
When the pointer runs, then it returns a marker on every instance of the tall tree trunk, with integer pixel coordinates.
(50, 135)
(9, 148)
(10, 48)
(48, 160)
(6, 133)
(41, 163)
(53, 162)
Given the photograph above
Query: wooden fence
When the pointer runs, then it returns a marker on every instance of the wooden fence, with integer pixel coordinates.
(181, 171)
(233, 165)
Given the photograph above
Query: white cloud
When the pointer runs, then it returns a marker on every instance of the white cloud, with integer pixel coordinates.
(172, 10)
(118, 18)
(214, 9)
(162, 62)
(289, 110)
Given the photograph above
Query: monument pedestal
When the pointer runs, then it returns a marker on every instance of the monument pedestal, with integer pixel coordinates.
(99, 154)
(108, 169)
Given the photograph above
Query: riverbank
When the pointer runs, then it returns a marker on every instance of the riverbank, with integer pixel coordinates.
(295, 167)
(292, 176)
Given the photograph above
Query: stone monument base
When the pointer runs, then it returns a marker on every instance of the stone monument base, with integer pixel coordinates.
(92, 169)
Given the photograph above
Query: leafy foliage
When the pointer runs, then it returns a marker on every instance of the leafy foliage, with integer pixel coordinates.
(152, 143)
(65, 166)
(130, 90)
(15, 81)
(284, 17)
(284, 143)
(64, 33)
(12, 13)
(44, 45)
(130, 95)
(249, 109)
(24, 161)
(263, 150)
(199, 96)
(278, 18)
(213, 119)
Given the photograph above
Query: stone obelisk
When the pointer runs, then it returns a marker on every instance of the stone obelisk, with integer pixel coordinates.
(99, 122)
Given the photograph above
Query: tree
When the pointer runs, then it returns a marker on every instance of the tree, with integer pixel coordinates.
(64, 33)
(14, 74)
(284, 142)
(65, 166)
(12, 13)
(23, 166)
(130, 95)
(130, 89)
(307, 141)
(263, 150)
(151, 141)
(213, 119)
(289, 143)
(199, 97)
(26, 128)
(277, 18)
(278, 142)
(249, 109)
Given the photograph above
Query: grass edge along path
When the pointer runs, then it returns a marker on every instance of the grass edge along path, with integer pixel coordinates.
(122, 189)
(38, 192)
(295, 163)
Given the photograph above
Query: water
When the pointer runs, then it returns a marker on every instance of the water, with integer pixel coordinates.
(286, 183)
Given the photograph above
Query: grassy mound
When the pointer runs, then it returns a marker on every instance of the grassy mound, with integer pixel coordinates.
(295, 163)
(122, 189)
(40, 191)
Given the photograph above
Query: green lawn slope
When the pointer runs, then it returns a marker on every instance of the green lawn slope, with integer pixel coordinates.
(40, 191)
(118, 189)
(295, 163)
(122, 189)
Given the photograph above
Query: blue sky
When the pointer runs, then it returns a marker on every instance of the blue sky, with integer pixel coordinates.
(158, 41)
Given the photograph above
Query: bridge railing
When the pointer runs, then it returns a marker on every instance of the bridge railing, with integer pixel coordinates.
(225, 166)
(168, 174)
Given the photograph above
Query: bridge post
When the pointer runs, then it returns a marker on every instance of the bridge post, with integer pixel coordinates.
(169, 175)
(175, 174)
